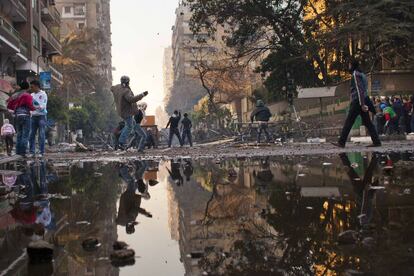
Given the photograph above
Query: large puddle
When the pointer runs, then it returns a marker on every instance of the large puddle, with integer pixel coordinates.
(341, 215)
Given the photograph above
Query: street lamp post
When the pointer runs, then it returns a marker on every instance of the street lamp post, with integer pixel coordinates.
(38, 63)
(45, 59)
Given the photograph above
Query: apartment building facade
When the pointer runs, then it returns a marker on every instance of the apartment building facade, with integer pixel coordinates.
(78, 15)
(29, 37)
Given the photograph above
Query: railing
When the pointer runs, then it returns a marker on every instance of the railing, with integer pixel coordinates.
(9, 28)
(54, 41)
(55, 13)
(20, 7)
(52, 12)
(22, 45)
(51, 39)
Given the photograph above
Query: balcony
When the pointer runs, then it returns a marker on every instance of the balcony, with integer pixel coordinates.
(52, 42)
(14, 42)
(18, 11)
(50, 14)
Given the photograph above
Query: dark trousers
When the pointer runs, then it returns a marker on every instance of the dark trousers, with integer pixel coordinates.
(187, 134)
(38, 125)
(23, 132)
(263, 128)
(355, 110)
(412, 123)
(176, 132)
(9, 143)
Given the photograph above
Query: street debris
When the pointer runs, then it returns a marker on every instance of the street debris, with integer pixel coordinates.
(83, 223)
(40, 251)
(119, 245)
(91, 244)
(123, 257)
(348, 237)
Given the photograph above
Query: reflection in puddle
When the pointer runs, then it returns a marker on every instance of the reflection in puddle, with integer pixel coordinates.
(294, 216)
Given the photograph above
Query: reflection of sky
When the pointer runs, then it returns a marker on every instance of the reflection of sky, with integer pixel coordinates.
(159, 255)
(140, 32)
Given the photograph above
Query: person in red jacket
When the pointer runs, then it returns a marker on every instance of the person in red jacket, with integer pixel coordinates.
(21, 104)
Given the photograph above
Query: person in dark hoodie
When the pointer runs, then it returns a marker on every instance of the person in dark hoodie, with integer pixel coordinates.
(173, 125)
(186, 130)
(262, 115)
(360, 105)
(139, 131)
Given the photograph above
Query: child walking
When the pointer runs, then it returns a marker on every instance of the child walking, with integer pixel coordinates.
(7, 133)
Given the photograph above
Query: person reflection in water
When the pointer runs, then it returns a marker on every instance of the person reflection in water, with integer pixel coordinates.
(33, 208)
(175, 173)
(264, 175)
(363, 187)
(130, 202)
(188, 170)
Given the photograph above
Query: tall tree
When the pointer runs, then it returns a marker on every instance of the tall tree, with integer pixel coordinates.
(311, 39)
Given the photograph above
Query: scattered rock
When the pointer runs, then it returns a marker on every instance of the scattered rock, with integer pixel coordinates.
(352, 272)
(123, 257)
(119, 245)
(368, 242)
(90, 244)
(83, 222)
(348, 237)
(196, 255)
(40, 251)
(354, 165)
(376, 188)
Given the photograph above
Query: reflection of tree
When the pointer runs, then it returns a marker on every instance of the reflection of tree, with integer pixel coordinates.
(93, 200)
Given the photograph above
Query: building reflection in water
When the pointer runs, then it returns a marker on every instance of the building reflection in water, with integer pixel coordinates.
(62, 205)
(242, 216)
(270, 216)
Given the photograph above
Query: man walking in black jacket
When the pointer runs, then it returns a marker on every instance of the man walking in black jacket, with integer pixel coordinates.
(173, 124)
(186, 129)
(262, 115)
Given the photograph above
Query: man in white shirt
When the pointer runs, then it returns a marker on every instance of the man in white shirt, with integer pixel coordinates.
(38, 121)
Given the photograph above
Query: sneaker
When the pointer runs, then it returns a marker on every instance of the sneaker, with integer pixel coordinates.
(31, 155)
(40, 155)
(141, 151)
(339, 145)
(122, 147)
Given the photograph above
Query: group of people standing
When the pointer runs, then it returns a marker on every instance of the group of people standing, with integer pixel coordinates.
(133, 114)
(28, 106)
(186, 126)
(394, 115)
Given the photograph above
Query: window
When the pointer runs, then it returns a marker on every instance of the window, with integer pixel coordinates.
(36, 39)
(67, 10)
(81, 25)
(79, 10)
(35, 5)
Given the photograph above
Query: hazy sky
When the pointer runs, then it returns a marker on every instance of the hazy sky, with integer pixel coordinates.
(141, 29)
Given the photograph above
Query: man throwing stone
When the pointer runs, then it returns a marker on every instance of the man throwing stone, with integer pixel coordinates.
(126, 105)
(360, 105)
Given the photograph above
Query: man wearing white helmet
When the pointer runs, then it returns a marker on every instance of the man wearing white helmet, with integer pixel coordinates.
(126, 105)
